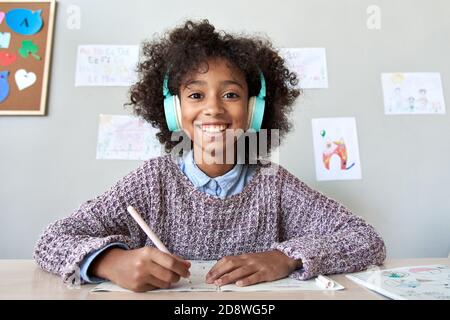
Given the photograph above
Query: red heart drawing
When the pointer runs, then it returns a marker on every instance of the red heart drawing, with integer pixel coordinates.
(7, 58)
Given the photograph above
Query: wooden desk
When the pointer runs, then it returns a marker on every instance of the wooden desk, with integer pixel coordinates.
(23, 279)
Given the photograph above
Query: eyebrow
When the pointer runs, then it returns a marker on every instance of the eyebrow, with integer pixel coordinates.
(202, 83)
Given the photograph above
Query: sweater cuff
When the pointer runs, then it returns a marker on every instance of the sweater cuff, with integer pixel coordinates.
(308, 251)
(86, 263)
(84, 249)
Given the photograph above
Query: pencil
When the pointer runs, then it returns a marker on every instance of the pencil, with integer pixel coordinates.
(144, 226)
(149, 232)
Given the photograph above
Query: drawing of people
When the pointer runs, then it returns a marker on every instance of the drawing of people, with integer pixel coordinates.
(436, 106)
(397, 100)
(411, 101)
(422, 101)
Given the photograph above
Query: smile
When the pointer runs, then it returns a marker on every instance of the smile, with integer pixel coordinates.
(213, 128)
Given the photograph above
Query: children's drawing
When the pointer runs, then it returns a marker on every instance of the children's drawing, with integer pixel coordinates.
(425, 270)
(395, 275)
(310, 65)
(400, 283)
(339, 149)
(336, 149)
(413, 93)
(126, 138)
(106, 65)
(414, 282)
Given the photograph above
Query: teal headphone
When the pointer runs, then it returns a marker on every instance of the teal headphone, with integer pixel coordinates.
(172, 107)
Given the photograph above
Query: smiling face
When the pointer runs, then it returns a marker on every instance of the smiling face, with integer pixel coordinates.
(213, 99)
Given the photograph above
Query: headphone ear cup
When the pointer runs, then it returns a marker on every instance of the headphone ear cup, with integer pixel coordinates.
(255, 113)
(178, 113)
(172, 112)
(258, 113)
(250, 110)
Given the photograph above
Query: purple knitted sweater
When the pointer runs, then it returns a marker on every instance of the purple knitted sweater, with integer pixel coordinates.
(274, 211)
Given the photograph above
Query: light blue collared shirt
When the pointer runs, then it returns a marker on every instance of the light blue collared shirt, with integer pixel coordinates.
(232, 182)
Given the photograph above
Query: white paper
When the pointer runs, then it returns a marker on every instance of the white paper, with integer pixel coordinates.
(431, 282)
(412, 93)
(106, 65)
(126, 138)
(336, 149)
(310, 65)
(199, 269)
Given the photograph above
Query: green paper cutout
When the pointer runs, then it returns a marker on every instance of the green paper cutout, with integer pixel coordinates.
(28, 47)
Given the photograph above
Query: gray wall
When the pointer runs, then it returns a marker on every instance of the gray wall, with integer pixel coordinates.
(48, 165)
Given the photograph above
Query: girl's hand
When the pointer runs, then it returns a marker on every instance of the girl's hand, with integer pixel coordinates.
(141, 269)
(252, 268)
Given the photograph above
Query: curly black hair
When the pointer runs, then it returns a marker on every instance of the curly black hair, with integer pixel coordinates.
(183, 49)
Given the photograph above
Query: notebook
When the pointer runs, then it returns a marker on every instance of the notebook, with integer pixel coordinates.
(200, 268)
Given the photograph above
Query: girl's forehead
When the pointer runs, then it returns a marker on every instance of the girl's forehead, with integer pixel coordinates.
(217, 66)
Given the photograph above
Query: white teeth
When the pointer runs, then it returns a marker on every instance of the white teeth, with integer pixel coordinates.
(214, 128)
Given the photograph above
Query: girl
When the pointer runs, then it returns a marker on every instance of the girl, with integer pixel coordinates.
(260, 224)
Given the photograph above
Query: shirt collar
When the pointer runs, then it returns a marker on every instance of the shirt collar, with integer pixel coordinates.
(200, 179)
(197, 176)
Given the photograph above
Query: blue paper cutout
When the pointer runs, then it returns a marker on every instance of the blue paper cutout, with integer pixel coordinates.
(24, 21)
(4, 85)
(5, 38)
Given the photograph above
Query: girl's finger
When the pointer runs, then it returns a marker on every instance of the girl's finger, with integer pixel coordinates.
(186, 262)
(160, 272)
(252, 279)
(170, 262)
(236, 274)
(211, 275)
(224, 265)
(156, 282)
(144, 288)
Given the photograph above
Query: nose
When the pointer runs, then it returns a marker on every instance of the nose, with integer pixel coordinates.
(213, 106)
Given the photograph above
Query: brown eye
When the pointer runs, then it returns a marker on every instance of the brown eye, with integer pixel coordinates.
(231, 95)
(195, 96)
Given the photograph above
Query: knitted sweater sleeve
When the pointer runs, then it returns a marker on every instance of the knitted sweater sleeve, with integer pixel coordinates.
(95, 224)
(324, 234)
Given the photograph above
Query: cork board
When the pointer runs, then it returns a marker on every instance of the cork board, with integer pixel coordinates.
(26, 31)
